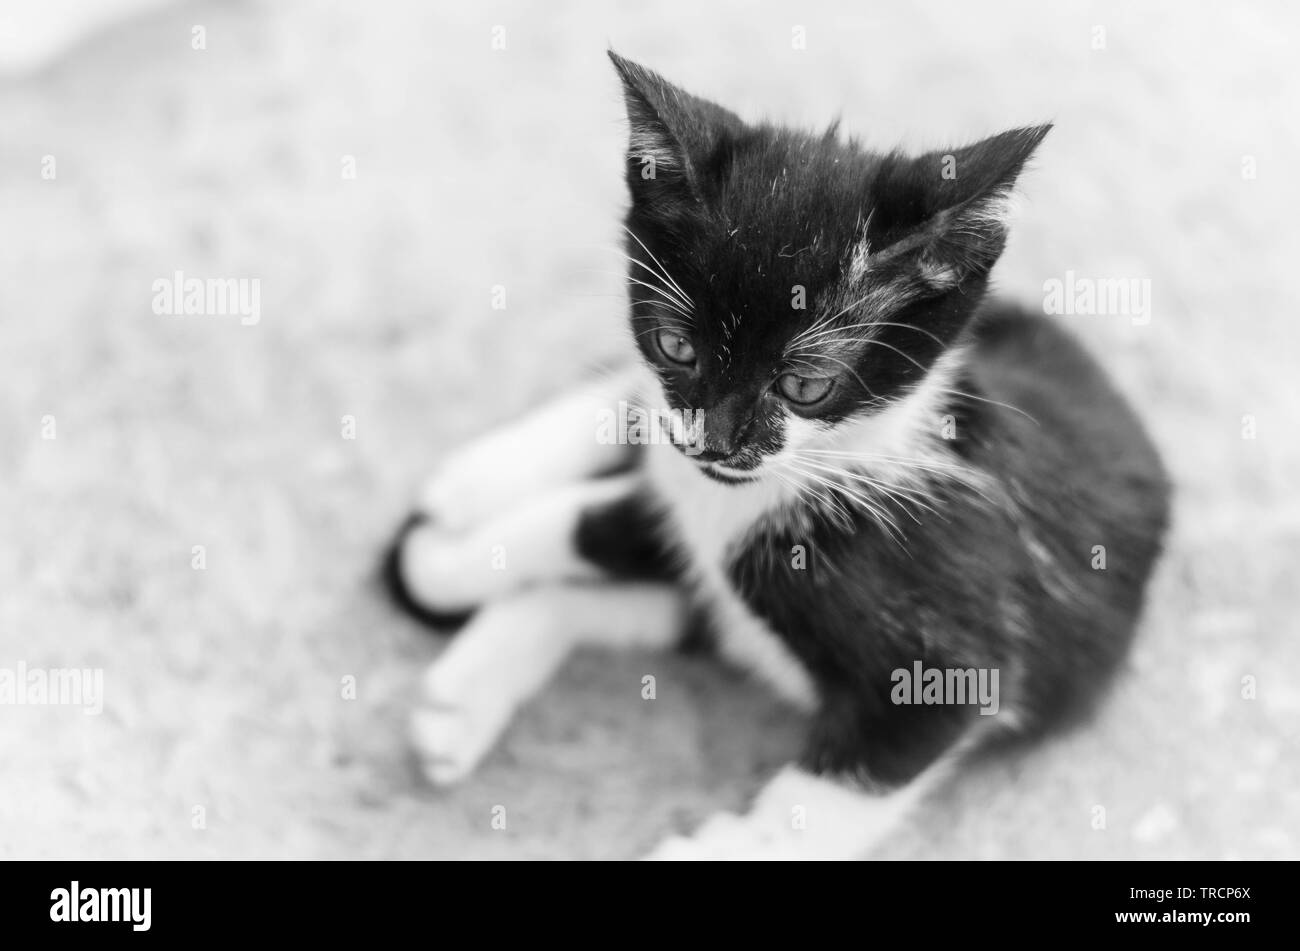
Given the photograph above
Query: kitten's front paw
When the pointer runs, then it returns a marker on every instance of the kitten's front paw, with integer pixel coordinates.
(459, 715)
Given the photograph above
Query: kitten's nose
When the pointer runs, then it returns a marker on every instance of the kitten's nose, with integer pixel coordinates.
(724, 427)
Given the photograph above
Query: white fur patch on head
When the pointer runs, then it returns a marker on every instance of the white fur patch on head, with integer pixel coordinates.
(858, 258)
(995, 210)
(647, 145)
(937, 274)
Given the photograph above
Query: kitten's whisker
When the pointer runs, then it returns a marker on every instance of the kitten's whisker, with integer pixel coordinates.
(668, 307)
(837, 508)
(906, 356)
(663, 277)
(663, 292)
(657, 303)
(826, 322)
(880, 516)
(900, 494)
(819, 339)
(920, 330)
(909, 493)
(968, 476)
(662, 274)
(985, 399)
(795, 361)
(669, 300)
(633, 259)
(913, 493)
(928, 465)
(889, 457)
(824, 338)
(666, 276)
(829, 495)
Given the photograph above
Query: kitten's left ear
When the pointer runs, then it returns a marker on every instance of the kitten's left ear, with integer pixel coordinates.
(951, 209)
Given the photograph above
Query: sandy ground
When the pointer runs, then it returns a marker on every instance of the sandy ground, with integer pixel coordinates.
(475, 167)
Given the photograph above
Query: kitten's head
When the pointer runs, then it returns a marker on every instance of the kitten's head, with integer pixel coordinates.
(785, 283)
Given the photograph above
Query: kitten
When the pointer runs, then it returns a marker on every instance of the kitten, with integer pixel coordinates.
(926, 519)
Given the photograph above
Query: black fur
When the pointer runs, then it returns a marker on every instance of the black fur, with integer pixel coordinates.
(623, 538)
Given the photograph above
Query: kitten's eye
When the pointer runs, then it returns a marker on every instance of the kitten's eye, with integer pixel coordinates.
(676, 347)
(804, 389)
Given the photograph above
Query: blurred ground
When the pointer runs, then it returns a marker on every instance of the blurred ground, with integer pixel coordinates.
(478, 167)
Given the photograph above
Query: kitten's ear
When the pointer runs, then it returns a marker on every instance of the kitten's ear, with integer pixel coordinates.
(676, 142)
(952, 209)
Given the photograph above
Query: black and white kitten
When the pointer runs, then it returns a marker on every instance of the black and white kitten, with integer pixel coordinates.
(891, 488)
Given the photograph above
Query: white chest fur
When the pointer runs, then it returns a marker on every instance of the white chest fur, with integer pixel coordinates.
(898, 445)
(709, 521)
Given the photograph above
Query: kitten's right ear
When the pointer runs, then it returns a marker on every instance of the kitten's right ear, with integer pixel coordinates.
(675, 141)
(947, 212)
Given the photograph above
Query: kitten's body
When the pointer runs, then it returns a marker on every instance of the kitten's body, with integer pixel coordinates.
(970, 495)
(998, 570)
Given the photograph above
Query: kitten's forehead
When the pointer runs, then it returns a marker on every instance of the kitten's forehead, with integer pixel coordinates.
(785, 225)
(766, 288)
(787, 190)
